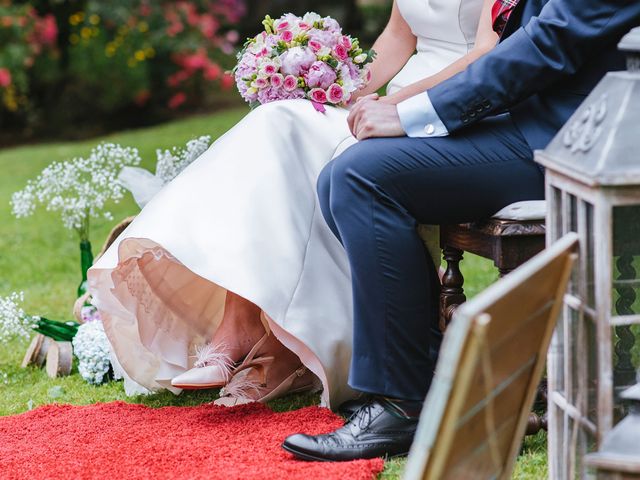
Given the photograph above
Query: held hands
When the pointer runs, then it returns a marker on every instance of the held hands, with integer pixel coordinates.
(372, 116)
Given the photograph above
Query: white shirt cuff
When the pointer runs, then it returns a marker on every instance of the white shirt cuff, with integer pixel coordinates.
(419, 118)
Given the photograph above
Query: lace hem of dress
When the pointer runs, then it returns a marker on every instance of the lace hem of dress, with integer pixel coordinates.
(130, 274)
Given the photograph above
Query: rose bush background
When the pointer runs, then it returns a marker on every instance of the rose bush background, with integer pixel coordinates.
(83, 65)
(79, 68)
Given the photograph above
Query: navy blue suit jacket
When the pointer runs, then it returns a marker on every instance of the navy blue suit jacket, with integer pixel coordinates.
(551, 55)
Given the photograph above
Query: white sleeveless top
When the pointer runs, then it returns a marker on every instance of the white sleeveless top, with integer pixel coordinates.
(445, 29)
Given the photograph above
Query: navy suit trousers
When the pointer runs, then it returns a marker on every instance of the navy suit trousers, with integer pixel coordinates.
(373, 196)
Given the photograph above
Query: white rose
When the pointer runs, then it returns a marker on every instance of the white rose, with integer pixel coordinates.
(360, 58)
(311, 18)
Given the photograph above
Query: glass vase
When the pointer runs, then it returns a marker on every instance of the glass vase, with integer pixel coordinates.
(86, 260)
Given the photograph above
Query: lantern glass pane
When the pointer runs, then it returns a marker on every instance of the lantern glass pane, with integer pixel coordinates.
(577, 373)
(589, 255)
(556, 205)
(580, 442)
(626, 358)
(583, 374)
(571, 225)
(626, 261)
(591, 359)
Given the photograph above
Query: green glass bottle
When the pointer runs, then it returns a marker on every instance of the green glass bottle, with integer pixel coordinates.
(86, 260)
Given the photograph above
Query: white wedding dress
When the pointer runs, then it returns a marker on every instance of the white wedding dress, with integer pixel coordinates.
(245, 217)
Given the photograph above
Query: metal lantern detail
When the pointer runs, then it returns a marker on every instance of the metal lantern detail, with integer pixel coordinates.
(619, 456)
(593, 188)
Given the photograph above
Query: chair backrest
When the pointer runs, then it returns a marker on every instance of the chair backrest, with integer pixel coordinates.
(491, 361)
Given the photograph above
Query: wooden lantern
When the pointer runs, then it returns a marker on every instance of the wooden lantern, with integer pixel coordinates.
(593, 188)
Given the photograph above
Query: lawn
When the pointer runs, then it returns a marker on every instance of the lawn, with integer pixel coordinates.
(40, 257)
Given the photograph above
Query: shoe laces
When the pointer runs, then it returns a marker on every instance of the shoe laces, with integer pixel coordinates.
(364, 414)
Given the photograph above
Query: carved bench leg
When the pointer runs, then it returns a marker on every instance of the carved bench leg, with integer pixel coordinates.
(452, 293)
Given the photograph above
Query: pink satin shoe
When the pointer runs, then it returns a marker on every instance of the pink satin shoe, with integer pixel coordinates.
(214, 368)
(258, 380)
(241, 389)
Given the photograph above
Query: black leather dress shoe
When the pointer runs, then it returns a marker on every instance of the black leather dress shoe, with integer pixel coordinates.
(375, 430)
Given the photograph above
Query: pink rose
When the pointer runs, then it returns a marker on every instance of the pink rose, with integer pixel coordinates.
(340, 52)
(304, 26)
(286, 36)
(318, 95)
(335, 93)
(277, 80)
(269, 69)
(320, 75)
(290, 83)
(346, 42)
(260, 82)
(282, 26)
(5, 78)
(315, 46)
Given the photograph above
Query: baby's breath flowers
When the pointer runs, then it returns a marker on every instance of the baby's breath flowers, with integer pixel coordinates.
(79, 188)
(14, 322)
(170, 163)
(91, 347)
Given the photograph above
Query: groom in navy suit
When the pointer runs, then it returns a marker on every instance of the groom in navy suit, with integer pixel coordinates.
(468, 151)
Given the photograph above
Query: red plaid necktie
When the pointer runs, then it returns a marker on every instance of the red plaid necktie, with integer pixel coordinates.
(500, 13)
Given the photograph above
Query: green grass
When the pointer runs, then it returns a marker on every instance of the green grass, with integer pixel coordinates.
(41, 258)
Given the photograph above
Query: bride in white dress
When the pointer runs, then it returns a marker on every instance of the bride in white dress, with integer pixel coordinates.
(238, 237)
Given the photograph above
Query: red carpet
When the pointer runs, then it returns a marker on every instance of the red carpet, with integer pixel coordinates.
(124, 441)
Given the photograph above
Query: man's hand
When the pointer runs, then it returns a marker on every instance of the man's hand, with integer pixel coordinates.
(373, 117)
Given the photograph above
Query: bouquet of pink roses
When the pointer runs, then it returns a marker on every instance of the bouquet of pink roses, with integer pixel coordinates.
(306, 57)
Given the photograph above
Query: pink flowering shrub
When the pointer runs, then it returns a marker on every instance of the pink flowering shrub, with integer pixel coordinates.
(167, 53)
(26, 37)
(107, 58)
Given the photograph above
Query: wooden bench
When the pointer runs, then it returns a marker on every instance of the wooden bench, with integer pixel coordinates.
(509, 239)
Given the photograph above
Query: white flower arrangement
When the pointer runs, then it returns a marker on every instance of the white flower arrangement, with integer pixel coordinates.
(79, 188)
(14, 322)
(91, 347)
(170, 163)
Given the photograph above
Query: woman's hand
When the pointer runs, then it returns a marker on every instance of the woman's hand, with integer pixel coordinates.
(373, 116)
